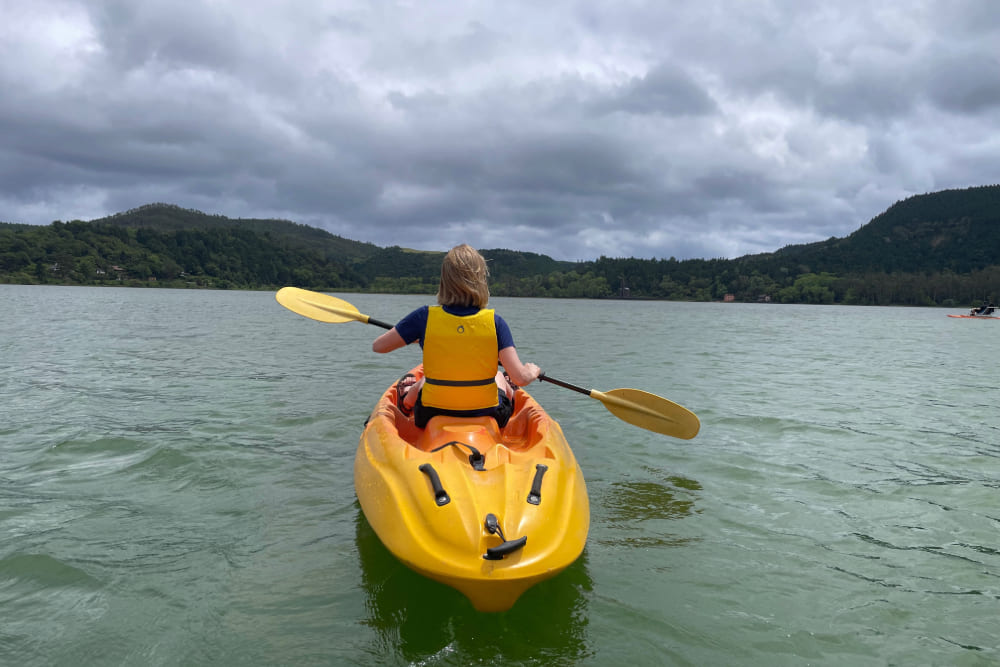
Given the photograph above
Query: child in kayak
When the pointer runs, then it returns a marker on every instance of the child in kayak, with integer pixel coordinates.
(462, 342)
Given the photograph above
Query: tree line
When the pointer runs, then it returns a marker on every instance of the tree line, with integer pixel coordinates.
(929, 250)
(82, 253)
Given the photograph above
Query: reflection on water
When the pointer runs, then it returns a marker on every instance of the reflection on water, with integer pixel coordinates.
(421, 621)
(635, 501)
(633, 511)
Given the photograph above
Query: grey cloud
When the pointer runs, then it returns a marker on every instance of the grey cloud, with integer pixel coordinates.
(664, 90)
(574, 129)
(957, 83)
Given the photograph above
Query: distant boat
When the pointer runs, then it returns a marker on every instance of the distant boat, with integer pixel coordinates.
(983, 312)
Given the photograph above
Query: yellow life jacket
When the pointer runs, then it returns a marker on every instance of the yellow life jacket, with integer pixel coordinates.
(460, 360)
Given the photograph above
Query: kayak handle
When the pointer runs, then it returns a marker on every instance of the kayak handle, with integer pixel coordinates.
(508, 546)
(440, 495)
(535, 495)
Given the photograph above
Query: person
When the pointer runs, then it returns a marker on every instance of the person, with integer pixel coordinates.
(463, 342)
(986, 309)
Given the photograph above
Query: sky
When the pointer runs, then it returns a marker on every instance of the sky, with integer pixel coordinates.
(575, 129)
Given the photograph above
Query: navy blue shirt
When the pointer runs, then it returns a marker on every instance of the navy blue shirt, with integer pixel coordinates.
(413, 327)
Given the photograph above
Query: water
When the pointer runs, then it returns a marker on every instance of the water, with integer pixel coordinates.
(175, 488)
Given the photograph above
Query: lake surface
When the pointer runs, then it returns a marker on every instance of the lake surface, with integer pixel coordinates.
(176, 487)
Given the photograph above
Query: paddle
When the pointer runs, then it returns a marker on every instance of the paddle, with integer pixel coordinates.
(637, 407)
(322, 307)
(642, 409)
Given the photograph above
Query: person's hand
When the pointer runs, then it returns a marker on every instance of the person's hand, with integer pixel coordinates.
(532, 370)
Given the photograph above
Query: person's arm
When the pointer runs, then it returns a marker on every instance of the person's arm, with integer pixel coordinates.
(389, 341)
(521, 374)
(408, 330)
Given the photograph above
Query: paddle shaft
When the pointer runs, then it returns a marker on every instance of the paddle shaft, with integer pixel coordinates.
(566, 385)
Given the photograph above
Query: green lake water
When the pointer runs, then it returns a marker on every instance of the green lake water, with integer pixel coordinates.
(176, 487)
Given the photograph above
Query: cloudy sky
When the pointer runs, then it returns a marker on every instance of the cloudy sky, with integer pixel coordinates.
(656, 128)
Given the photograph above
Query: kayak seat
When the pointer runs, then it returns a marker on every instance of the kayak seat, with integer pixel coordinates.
(478, 432)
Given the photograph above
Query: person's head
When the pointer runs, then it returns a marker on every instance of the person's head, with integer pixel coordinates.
(463, 278)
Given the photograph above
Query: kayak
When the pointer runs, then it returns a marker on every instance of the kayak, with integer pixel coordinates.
(487, 511)
(976, 317)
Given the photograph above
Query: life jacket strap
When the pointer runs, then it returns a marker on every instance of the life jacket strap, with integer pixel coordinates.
(459, 383)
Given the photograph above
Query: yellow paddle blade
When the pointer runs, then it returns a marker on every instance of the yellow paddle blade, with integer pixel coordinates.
(649, 411)
(317, 306)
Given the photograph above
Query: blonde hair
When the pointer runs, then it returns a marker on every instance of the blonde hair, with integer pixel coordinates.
(463, 278)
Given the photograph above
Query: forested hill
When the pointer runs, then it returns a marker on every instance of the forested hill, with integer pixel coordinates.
(954, 230)
(941, 248)
(933, 249)
(166, 218)
(172, 246)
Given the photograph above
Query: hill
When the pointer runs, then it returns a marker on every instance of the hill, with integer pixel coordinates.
(170, 218)
(953, 230)
(169, 245)
(371, 260)
(932, 249)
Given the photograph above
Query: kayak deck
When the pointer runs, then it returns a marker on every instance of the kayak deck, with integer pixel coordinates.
(485, 510)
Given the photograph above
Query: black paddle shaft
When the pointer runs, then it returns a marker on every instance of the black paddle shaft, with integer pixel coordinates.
(567, 385)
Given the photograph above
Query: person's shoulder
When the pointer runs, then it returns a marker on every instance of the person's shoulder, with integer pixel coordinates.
(418, 312)
(504, 336)
(414, 322)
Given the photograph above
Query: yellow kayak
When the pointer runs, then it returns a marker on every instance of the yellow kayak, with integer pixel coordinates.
(487, 511)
